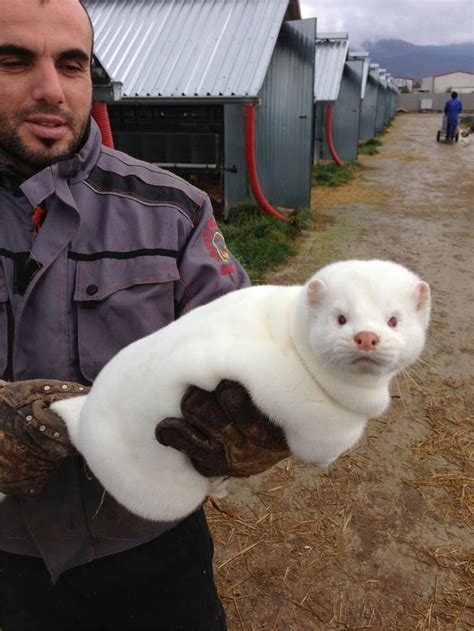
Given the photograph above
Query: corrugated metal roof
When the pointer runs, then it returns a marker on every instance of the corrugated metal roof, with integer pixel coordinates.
(178, 48)
(331, 53)
(365, 58)
(383, 76)
(374, 74)
(391, 84)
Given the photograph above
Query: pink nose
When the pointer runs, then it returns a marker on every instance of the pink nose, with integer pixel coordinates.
(366, 340)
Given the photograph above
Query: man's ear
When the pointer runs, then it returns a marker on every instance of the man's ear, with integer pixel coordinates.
(313, 292)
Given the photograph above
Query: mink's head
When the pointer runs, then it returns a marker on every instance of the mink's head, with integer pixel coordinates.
(366, 317)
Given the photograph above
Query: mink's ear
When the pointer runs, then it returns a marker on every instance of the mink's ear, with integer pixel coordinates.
(424, 296)
(313, 291)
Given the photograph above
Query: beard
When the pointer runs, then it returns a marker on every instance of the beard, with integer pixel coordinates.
(16, 152)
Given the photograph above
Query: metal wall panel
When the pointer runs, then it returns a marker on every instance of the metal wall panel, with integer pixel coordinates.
(382, 89)
(388, 113)
(319, 131)
(388, 100)
(331, 55)
(365, 58)
(285, 119)
(365, 77)
(284, 124)
(393, 97)
(346, 116)
(183, 49)
(380, 116)
(236, 188)
(369, 110)
(345, 119)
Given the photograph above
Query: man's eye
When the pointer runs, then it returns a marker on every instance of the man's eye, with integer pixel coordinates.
(71, 68)
(13, 63)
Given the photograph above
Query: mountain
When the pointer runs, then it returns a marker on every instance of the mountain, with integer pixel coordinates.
(405, 59)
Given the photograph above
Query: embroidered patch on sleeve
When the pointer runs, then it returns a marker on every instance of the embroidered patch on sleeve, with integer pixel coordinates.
(217, 248)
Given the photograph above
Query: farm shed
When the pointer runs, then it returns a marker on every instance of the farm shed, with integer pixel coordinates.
(364, 58)
(347, 112)
(405, 84)
(188, 73)
(392, 96)
(331, 55)
(381, 100)
(386, 113)
(369, 104)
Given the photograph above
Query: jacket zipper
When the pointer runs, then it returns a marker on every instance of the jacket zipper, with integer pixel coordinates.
(10, 336)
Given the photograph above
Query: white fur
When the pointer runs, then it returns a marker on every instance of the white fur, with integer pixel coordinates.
(284, 344)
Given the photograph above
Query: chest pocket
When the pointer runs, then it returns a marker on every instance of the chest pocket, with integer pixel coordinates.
(118, 302)
(3, 324)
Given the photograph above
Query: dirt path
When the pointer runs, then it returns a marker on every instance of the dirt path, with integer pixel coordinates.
(384, 539)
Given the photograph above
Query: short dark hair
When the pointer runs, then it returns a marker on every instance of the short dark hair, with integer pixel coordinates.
(454, 95)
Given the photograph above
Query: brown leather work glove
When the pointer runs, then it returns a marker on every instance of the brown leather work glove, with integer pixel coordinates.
(223, 433)
(33, 440)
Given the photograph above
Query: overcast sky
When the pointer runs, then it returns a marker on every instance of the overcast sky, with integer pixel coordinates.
(416, 21)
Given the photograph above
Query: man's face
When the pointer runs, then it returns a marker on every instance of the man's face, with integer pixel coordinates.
(45, 81)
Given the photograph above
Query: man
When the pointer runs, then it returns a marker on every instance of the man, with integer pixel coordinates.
(97, 249)
(452, 109)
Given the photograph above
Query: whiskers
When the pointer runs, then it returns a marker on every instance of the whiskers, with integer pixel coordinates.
(411, 378)
(323, 350)
(416, 378)
(325, 353)
(331, 360)
(405, 394)
(430, 366)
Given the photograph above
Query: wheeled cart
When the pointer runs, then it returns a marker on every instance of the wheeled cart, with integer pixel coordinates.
(441, 135)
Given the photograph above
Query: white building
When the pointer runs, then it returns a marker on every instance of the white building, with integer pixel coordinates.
(462, 82)
(405, 84)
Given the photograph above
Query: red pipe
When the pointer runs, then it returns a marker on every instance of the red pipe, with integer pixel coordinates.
(329, 142)
(252, 165)
(101, 117)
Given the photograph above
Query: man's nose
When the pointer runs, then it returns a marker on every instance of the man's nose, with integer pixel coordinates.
(47, 84)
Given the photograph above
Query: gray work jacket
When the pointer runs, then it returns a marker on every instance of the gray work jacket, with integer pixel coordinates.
(125, 249)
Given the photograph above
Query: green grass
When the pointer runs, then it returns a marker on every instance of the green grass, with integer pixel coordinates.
(370, 148)
(261, 242)
(333, 175)
(386, 126)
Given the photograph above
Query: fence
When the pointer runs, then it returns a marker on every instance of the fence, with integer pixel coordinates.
(426, 101)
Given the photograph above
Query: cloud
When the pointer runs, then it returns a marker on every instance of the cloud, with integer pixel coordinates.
(417, 21)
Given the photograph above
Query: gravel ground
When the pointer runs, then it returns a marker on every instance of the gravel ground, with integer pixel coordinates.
(383, 540)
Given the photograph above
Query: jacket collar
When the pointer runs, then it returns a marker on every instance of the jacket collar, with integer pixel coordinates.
(55, 179)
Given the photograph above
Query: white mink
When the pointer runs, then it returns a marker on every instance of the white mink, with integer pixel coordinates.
(317, 360)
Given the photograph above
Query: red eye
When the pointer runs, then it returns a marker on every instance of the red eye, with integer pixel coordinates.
(341, 319)
(393, 322)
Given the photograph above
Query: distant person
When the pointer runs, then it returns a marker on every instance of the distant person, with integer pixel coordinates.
(452, 109)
